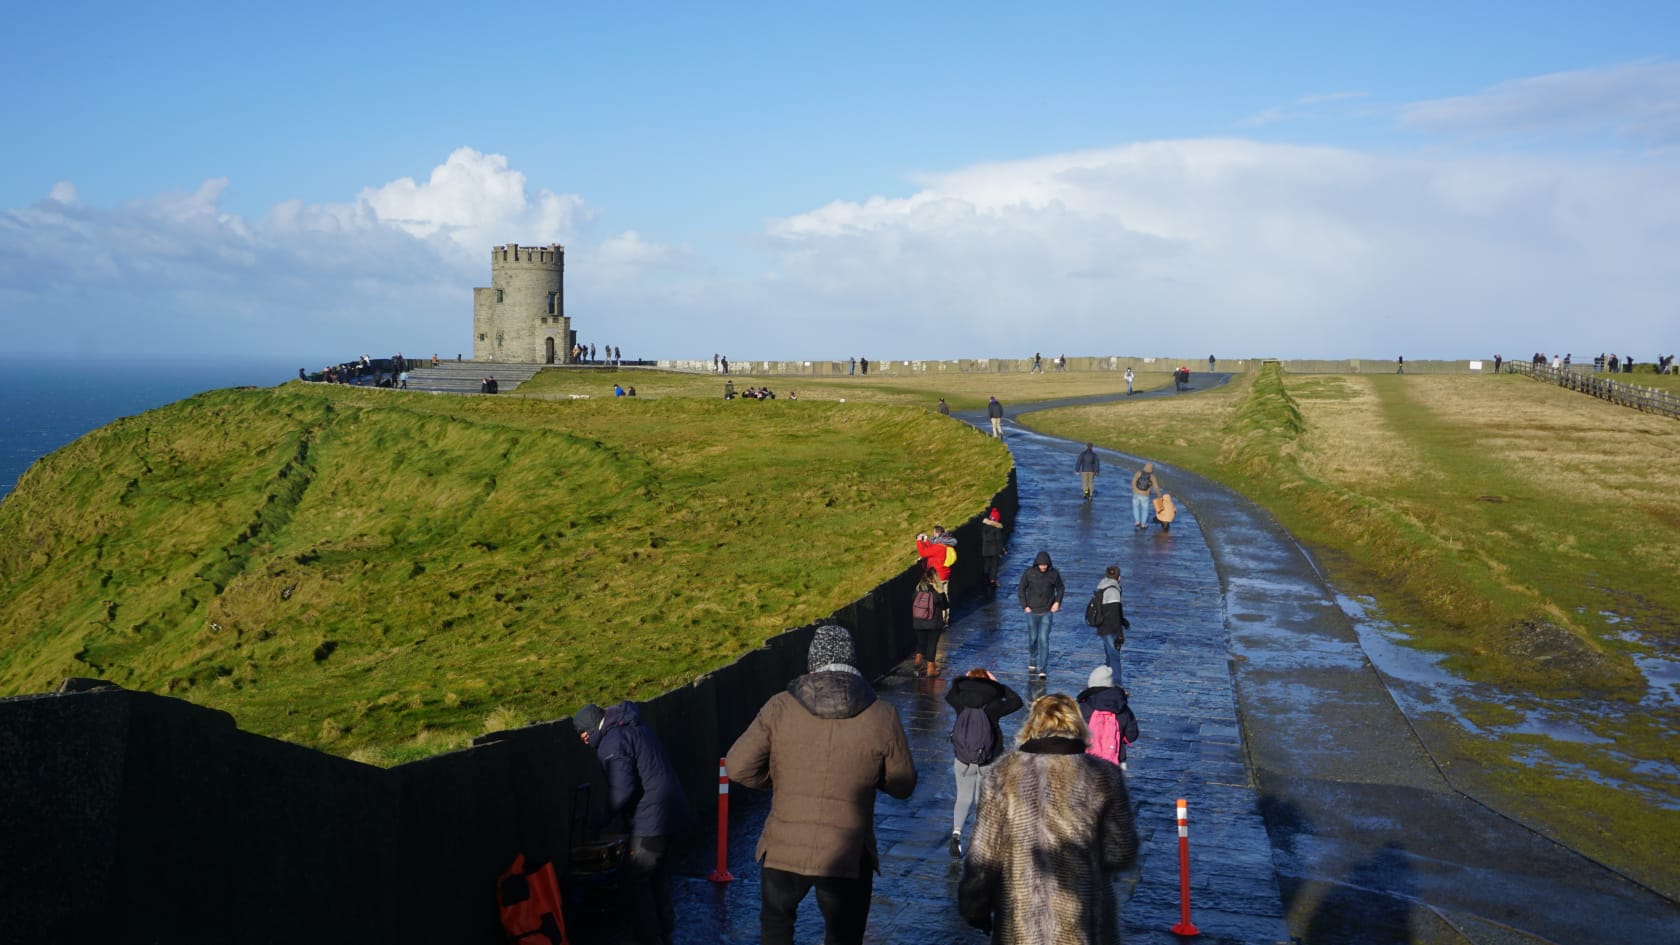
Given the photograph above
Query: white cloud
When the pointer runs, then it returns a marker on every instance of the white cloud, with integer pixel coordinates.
(1639, 101)
(1305, 106)
(1168, 247)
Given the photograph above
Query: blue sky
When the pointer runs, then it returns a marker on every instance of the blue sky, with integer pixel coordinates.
(769, 181)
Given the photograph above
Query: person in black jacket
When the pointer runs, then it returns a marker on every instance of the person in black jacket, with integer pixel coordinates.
(1040, 594)
(991, 547)
(643, 786)
(977, 690)
(1112, 630)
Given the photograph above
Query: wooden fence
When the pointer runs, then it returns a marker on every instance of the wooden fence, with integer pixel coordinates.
(1649, 399)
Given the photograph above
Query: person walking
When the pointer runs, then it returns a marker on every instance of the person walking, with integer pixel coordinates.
(1129, 378)
(929, 614)
(1112, 630)
(1211, 363)
(1401, 361)
(1040, 593)
(1087, 467)
(1144, 487)
(823, 747)
(991, 546)
(1109, 717)
(1053, 827)
(944, 408)
(994, 410)
(976, 740)
(643, 786)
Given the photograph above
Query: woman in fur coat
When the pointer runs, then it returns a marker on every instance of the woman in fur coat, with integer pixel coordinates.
(1053, 825)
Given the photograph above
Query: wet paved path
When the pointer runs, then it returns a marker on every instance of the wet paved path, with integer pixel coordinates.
(1176, 667)
(1335, 827)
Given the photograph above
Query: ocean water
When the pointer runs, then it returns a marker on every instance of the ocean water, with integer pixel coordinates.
(45, 404)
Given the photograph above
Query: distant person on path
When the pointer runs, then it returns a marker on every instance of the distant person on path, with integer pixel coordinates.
(1401, 361)
(823, 747)
(1054, 826)
(1108, 716)
(991, 547)
(851, 367)
(1129, 376)
(994, 410)
(1211, 363)
(1497, 361)
(944, 408)
(979, 691)
(1144, 487)
(1112, 630)
(863, 363)
(1061, 363)
(1087, 466)
(726, 365)
(643, 786)
(1038, 363)
(1040, 593)
(402, 380)
(929, 613)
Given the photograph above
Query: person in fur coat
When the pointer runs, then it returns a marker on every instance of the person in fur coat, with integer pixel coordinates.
(1053, 825)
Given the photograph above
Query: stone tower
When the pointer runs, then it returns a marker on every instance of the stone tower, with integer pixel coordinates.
(521, 317)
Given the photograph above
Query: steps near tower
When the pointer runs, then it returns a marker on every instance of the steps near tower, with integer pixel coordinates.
(464, 377)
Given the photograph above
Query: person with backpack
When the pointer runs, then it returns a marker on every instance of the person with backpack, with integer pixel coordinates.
(1040, 593)
(1144, 487)
(1087, 466)
(1107, 614)
(991, 547)
(976, 741)
(928, 616)
(1108, 717)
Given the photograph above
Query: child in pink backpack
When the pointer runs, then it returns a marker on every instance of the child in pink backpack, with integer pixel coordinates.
(1109, 717)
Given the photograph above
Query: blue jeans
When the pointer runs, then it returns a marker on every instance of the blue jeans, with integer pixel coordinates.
(1038, 639)
(1111, 655)
(1141, 507)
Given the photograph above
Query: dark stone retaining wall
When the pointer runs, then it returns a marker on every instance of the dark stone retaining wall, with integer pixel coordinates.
(127, 816)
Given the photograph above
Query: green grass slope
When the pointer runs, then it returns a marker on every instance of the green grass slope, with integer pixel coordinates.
(384, 575)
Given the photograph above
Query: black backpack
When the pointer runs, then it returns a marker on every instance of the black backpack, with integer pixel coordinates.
(971, 737)
(923, 605)
(1094, 609)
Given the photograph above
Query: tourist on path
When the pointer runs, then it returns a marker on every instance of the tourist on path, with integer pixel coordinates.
(929, 614)
(944, 408)
(991, 547)
(1144, 487)
(823, 748)
(1112, 630)
(1087, 466)
(1054, 826)
(1040, 594)
(1108, 716)
(643, 786)
(994, 410)
(980, 691)
(935, 556)
(1129, 377)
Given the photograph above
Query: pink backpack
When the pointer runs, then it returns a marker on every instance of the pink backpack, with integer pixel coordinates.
(1106, 742)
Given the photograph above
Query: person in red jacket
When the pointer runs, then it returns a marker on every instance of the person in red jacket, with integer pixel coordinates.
(934, 555)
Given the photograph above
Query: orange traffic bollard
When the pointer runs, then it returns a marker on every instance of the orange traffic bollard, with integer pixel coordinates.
(722, 874)
(1184, 926)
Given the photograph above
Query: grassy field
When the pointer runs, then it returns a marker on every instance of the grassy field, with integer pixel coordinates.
(1530, 533)
(384, 575)
(963, 391)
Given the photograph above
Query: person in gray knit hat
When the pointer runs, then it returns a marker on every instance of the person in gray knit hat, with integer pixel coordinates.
(823, 748)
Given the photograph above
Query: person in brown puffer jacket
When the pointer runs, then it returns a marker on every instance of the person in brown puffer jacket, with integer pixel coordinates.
(823, 747)
(1054, 825)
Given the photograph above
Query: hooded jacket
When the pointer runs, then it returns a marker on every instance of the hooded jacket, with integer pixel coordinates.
(1038, 590)
(990, 696)
(823, 747)
(1052, 827)
(640, 780)
(991, 538)
(1113, 611)
(1111, 699)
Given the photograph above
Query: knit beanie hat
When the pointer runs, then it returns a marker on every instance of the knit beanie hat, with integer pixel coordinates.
(832, 645)
(1101, 678)
(588, 718)
(995, 516)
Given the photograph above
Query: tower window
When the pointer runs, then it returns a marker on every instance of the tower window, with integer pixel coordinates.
(498, 295)
(551, 296)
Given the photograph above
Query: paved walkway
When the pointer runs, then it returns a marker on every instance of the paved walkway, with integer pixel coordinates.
(1177, 670)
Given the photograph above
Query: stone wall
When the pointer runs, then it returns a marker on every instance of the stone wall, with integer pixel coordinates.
(1114, 363)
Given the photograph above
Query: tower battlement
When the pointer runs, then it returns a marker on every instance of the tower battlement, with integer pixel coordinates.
(513, 254)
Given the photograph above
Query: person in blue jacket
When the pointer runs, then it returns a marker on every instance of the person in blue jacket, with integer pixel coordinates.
(642, 785)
